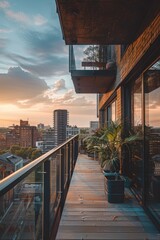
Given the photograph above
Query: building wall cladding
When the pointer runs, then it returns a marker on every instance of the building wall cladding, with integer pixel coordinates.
(119, 104)
(137, 49)
(134, 59)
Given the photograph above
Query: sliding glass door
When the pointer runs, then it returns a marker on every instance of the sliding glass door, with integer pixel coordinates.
(152, 138)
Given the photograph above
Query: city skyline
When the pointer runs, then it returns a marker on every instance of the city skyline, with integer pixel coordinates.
(34, 73)
(5, 123)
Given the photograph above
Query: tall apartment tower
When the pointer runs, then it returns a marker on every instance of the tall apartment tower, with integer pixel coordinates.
(60, 122)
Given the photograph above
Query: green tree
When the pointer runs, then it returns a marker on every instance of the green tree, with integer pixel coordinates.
(14, 148)
(22, 152)
(30, 151)
(92, 53)
(3, 151)
(36, 153)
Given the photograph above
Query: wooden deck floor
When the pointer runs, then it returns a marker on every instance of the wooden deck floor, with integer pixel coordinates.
(88, 215)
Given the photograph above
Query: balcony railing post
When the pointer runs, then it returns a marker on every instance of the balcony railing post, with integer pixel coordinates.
(62, 176)
(72, 156)
(46, 207)
(75, 149)
(69, 165)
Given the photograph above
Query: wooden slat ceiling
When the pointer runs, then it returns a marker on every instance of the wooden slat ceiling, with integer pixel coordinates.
(105, 21)
(93, 81)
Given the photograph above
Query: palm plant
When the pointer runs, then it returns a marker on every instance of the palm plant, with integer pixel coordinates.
(94, 143)
(115, 141)
(108, 142)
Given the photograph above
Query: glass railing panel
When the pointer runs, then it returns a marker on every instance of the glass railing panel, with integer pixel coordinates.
(91, 57)
(66, 164)
(71, 157)
(31, 199)
(55, 186)
(21, 209)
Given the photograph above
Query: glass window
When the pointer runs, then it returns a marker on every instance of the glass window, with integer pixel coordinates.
(152, 136)
(111, 112)
(136, 165)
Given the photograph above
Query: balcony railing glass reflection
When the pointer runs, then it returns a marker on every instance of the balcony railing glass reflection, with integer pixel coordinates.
(31, 199)
(91, 57)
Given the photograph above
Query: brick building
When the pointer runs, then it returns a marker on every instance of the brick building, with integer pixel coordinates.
(23, 135)
(127, 81)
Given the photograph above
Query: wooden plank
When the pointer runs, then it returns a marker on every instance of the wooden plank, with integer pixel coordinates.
(101, 229)
(102, 223)
(101, 218)
(109, 213)
(109, 236)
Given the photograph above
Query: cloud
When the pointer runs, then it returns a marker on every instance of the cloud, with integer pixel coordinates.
(4, 4)
(5, 30)
(39, 20)
(57, 86)
(18, 85)
(46, 55)
(2, 43)
(46, 42)
(18, 17)
(70, 99)
(21, 17)
(47, 67)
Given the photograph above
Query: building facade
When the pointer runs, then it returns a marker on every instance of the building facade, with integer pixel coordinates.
(93, 126)
(129, 93)
(60, 122)
(134, 100)
(48, 139)
(9, 163)
(71, 131)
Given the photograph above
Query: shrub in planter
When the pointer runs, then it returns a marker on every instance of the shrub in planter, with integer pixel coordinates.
(108, 142)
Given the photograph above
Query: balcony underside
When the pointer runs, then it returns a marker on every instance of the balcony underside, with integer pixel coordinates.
(105, 21)
(92, 81)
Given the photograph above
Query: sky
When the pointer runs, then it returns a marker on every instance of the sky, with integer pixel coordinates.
(34, 75)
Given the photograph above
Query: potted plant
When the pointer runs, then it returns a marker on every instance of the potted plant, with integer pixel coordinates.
(113, 180)
(108, 142)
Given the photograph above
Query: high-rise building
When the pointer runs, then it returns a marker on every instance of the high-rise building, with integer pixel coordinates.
(60, 122)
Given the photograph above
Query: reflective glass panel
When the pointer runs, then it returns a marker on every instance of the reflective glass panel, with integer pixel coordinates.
(137, 147)
(21, 209)
(152, 137)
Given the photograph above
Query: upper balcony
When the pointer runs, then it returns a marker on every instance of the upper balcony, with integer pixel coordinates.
(105, 21)
(93, 68)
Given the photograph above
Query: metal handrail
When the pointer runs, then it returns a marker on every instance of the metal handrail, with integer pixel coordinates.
(12, 179)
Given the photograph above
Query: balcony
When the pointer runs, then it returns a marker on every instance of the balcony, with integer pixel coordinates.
(105, 21)
(94, 73)
(32, 201)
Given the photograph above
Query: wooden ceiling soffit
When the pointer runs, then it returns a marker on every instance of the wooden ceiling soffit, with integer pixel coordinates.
(105, 21)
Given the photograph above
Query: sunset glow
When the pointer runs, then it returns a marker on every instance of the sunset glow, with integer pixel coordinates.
(34, 74)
